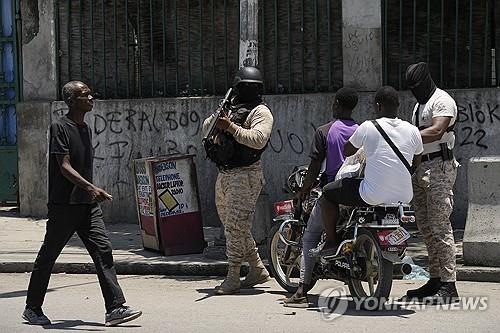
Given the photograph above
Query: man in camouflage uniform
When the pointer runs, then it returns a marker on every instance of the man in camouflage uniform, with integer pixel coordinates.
(435, 115)
(241, 179)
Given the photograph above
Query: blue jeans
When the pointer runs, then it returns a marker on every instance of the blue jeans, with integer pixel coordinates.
(310, 240)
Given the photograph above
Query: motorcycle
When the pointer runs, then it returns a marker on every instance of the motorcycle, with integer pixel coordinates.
(372, 241)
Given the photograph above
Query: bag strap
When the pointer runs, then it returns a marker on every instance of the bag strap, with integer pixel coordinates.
(417, 116)
(393, 146)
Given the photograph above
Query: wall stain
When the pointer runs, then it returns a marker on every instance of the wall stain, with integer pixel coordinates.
(30, 20)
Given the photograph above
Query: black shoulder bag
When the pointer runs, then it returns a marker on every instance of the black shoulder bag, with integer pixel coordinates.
(393, 147)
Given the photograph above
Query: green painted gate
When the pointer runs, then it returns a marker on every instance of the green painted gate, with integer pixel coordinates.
(9, 95)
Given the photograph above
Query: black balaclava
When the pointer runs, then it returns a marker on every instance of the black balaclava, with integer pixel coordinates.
(248, 92)
(420, 82)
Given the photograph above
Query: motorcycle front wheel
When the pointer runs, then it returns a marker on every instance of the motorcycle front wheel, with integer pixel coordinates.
(373, 270)
(286, 274)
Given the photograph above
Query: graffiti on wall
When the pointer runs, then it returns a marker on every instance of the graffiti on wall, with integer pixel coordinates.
(108, 127)
(363, 59)
(113, 132)
(118, 122)
(476, 122)
(120, 136)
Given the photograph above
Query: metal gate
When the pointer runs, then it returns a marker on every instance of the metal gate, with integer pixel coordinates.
(9, 95)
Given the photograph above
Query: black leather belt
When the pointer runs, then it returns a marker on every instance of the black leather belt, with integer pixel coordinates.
(436, 154)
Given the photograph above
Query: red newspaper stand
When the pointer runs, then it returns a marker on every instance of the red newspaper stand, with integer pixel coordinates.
(168, 204)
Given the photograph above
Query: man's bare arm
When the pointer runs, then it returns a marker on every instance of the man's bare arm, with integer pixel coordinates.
(436, 130)
(417, 159)
(349, 149)
(311, 176)
(74, 176)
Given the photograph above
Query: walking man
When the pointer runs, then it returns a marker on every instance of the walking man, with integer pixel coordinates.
(73, 207)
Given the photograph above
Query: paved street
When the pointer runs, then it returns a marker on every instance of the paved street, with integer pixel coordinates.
(181, 304)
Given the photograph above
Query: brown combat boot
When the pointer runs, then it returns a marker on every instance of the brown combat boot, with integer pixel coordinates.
(257, 274)
(231, 283)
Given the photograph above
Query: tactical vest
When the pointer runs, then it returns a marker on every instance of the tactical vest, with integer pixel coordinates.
(228, 153)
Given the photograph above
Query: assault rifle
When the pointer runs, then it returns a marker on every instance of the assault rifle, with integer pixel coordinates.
(220, 112)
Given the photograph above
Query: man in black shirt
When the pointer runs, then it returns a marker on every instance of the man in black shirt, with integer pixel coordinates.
(73, 207)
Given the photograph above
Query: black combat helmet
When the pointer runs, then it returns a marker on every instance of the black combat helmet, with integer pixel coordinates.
(248, 74)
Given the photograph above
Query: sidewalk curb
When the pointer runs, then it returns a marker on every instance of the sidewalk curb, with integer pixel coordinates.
(128, 268)
(464, 273)
(478, 274)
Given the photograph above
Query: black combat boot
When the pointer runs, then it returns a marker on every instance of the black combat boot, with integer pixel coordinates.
(446, 294)
(429, 289)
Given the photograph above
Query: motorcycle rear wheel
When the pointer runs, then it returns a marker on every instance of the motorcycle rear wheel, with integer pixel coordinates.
(287, 276)
(377, 270)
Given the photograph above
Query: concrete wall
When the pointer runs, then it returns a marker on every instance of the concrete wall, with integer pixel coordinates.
(38, 50)
(481, 243)
(249, 33)
(362, 44)
(478, 134)
(127, 129)
(33, 120)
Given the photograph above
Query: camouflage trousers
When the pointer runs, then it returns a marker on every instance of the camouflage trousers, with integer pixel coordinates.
(433, 203)
(236, 194)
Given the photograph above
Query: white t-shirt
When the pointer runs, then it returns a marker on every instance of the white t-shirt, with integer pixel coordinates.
(386, 179)
(441, 104)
